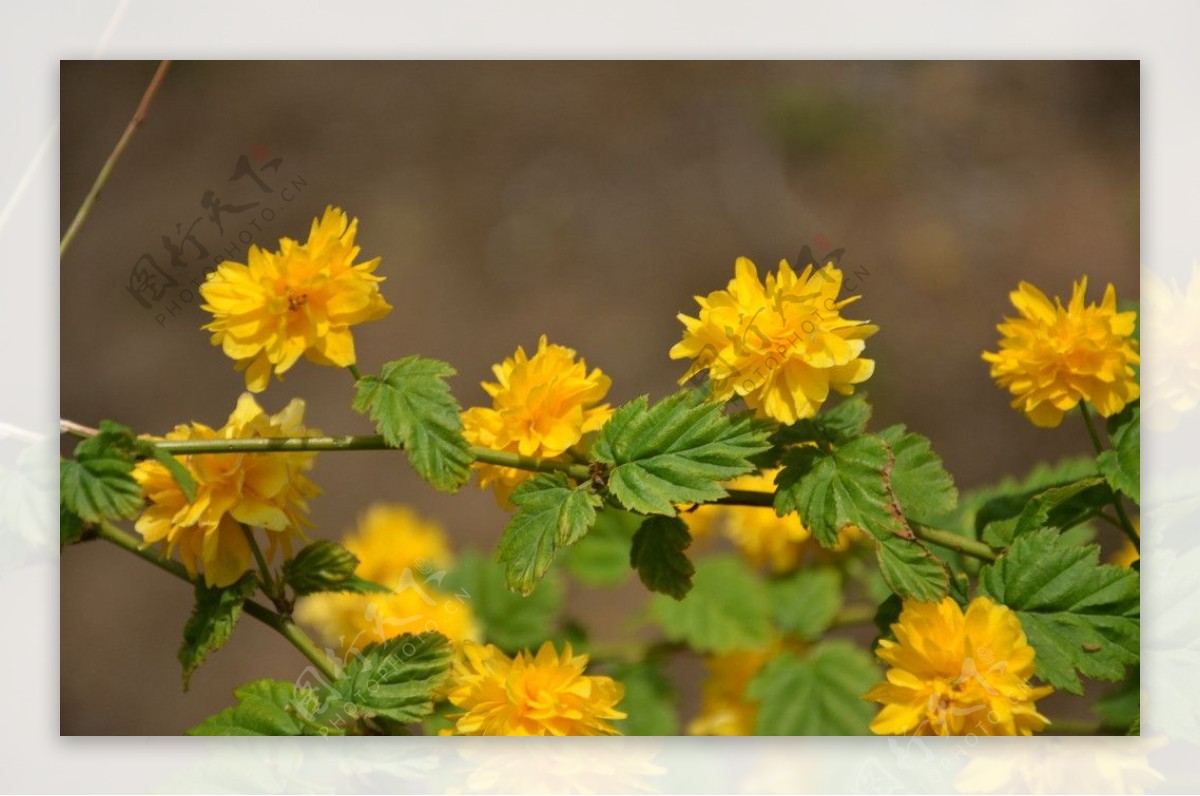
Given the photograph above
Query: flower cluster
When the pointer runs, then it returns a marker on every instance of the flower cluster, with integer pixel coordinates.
(266, 490)
(542, 694)
(1053, 357)
(780, 346)
(298, 301)
(780, 544)
(956, 673)
(542, 406)
(396, 548)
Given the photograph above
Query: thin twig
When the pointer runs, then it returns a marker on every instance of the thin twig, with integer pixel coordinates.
(282, 625)
(139, 116)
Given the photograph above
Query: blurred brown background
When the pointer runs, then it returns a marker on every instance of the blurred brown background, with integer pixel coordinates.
(588, 201)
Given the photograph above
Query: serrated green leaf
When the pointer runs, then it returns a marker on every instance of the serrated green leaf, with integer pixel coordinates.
(550, 515)
(910, 570)
(320, 566)
(1122, 466)
(99, 485)
(1057, 507)
(923, 489)
(413, 408)
(649, 701)
(678, 451)
(265, 707)
(396, 679)
(70, 526)
(817, 694)
(833, 489)
(657, 555)
(510, 621)
(807, 602)
(1082, 618)
(601, 558)
(213, 618)
(727, 609)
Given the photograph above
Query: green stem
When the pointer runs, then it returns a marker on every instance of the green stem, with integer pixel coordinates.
(139, 116)
(1126, 523)
(953, 541)
(285, 627)
(938, 536)
(268, 580)
(360, 443)
(354, 371)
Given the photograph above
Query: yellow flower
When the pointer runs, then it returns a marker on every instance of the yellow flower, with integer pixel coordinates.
(1053, 357)
(396, 548)
(300, 300)
(267, 490)
(542, 405)
(725, 710)
(780, 346)
(543, 694)
(764, 538)
(956, 674)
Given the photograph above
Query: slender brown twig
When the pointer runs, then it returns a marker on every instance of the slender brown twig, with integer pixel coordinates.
(139, 116)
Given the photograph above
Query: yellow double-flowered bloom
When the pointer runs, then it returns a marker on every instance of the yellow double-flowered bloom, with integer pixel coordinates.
(542, 406)
(956, 673)
(781, 346)
(266, 490)
(1053, 357)
(542, 694)
(298, 301)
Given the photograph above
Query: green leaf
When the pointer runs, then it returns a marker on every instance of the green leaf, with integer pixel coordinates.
(1082, 618)
(807, 602)
(1057, 507)
(396, 679)
(1006, 498)
(727, 609)
(176, 468)
(1121, 466)
(817, 694)
(833, 489)
(320, 566)
(265, 707)
(510, 621)
(99, 485)
(212, 622)
(550, 515)
(413, 408)
(910, 570)
(923, 489)
(678, 451)
(649, 701)
(70, 526)
(601, 558)
(657, 555)
(830, 427)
